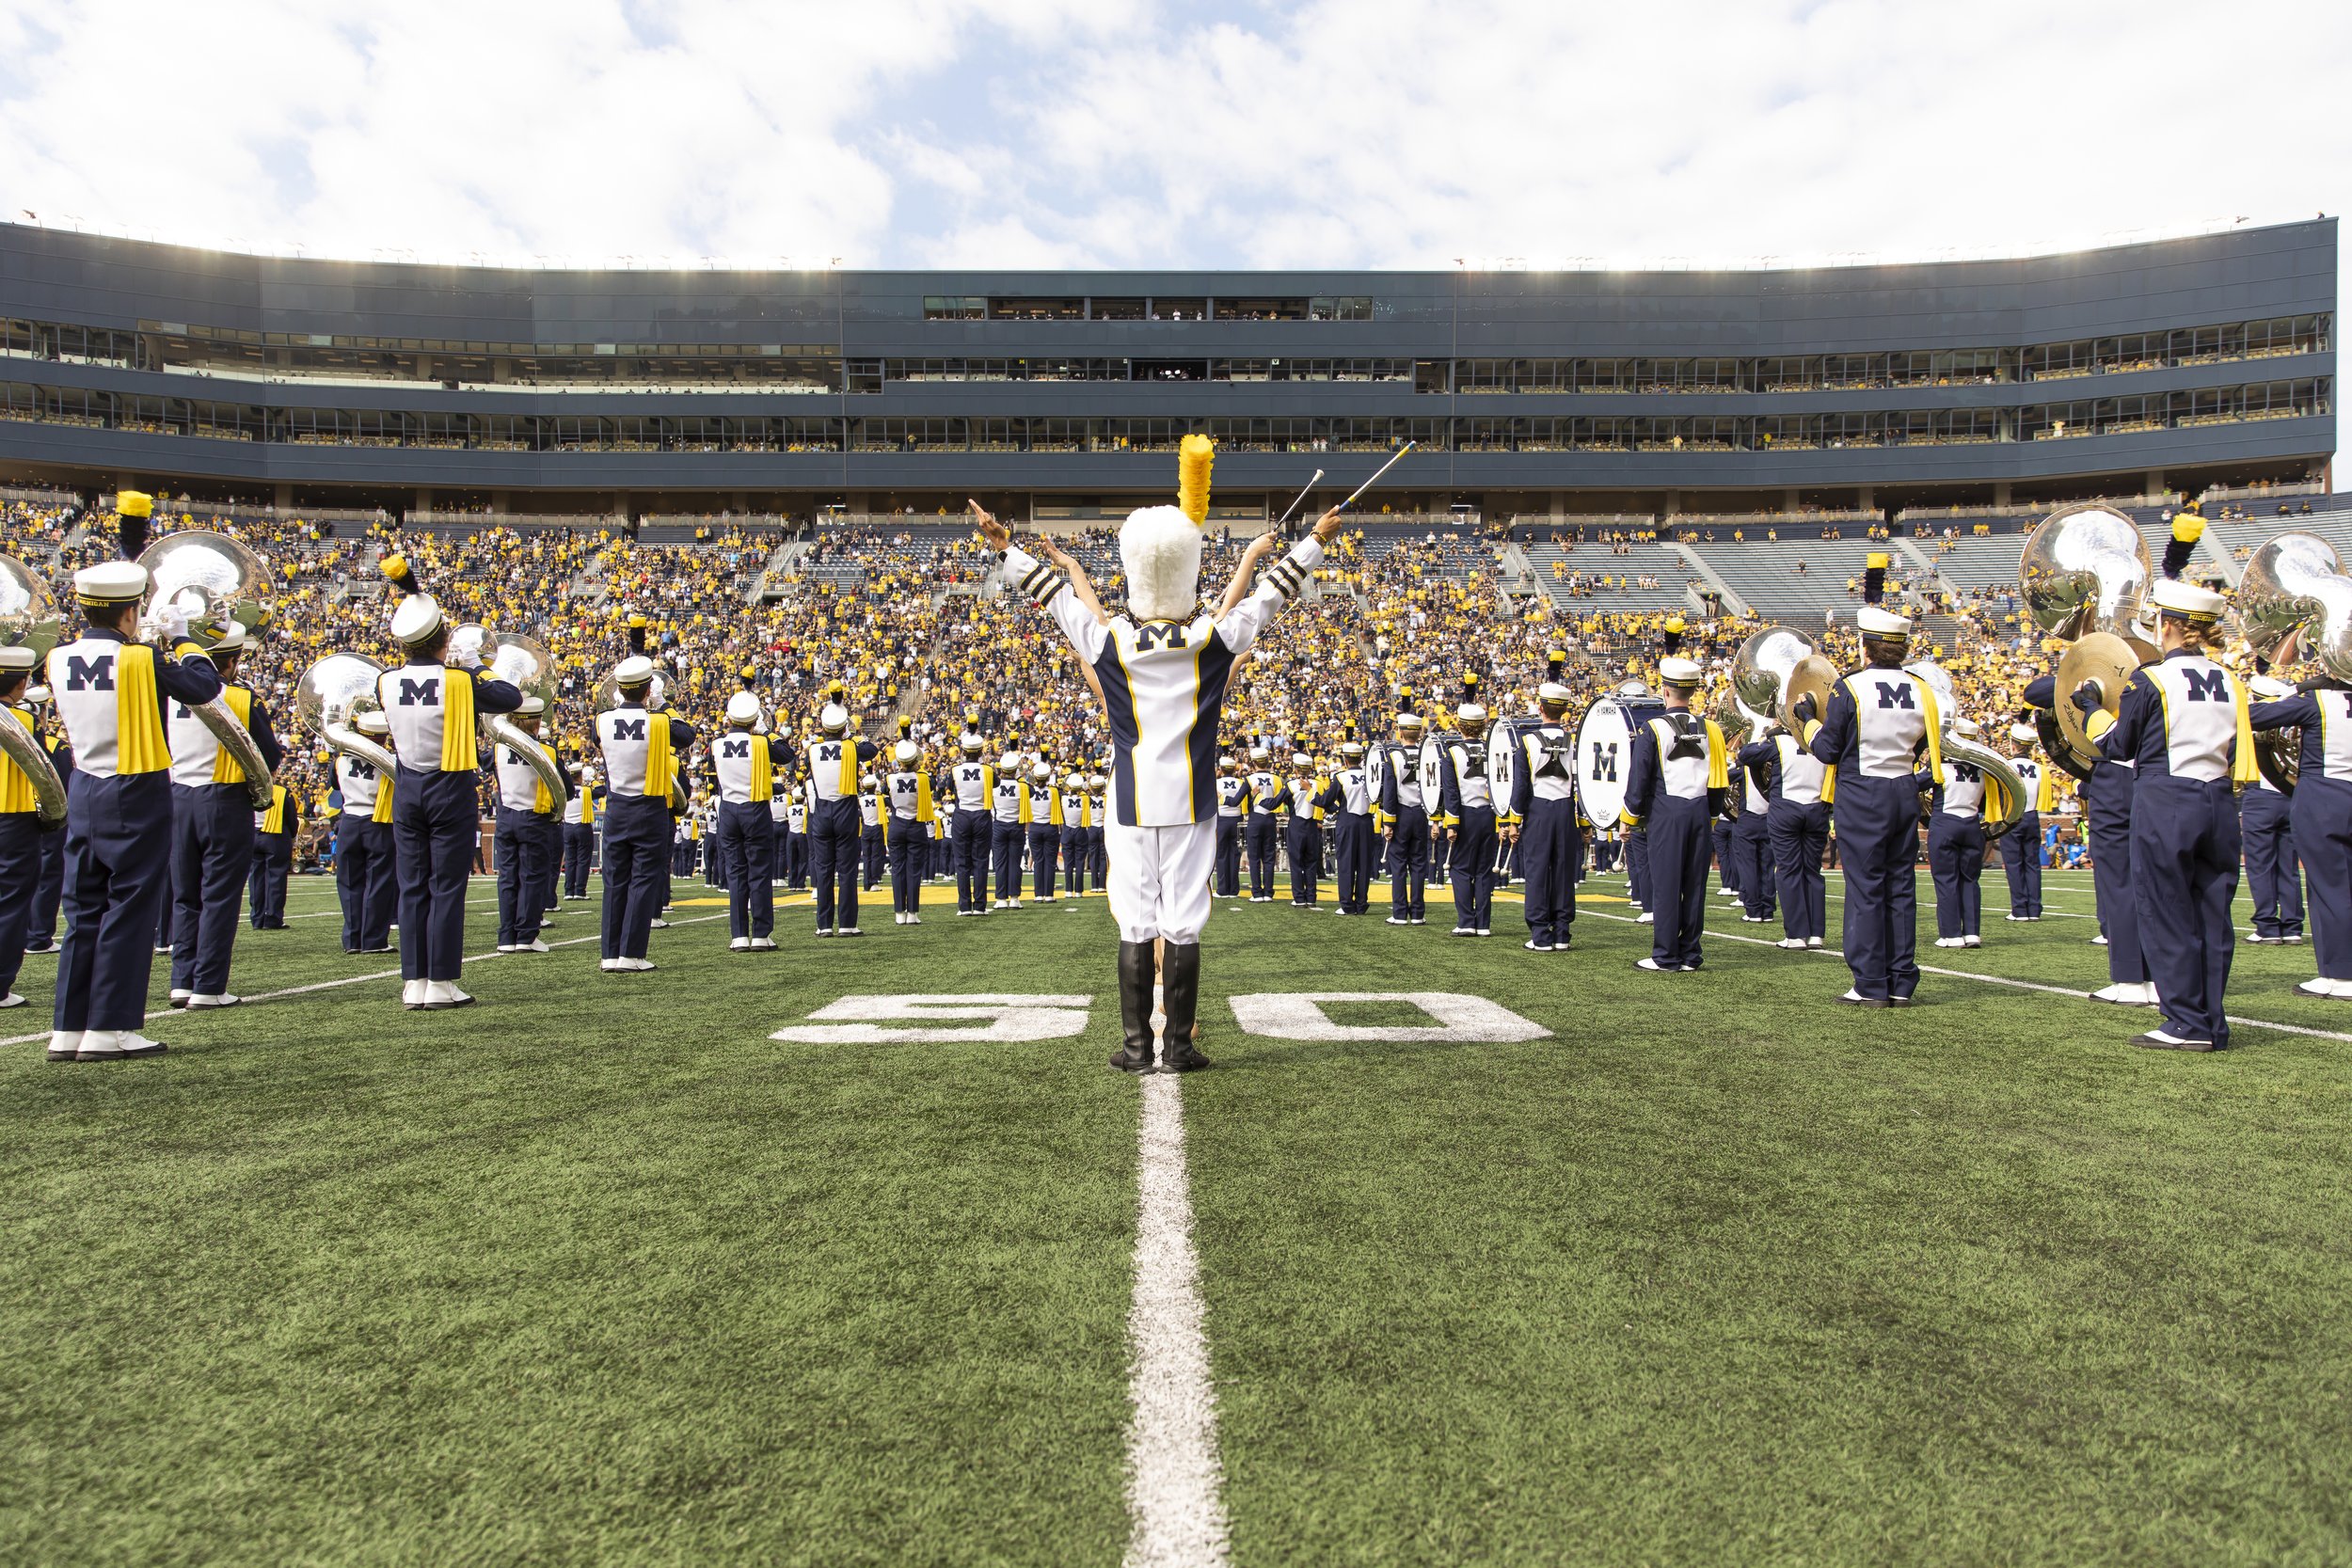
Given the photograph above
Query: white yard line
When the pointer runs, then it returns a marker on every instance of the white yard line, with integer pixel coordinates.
(1175, 1483)
(361, 980)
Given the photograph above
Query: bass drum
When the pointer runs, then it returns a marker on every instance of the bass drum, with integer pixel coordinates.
(1604, 752)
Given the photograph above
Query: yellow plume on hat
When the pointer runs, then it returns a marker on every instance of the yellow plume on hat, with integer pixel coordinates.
(1194, 455)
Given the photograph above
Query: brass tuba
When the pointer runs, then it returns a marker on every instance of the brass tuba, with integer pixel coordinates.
(2085, 568)
(29, 619)
(2005, 798)
(1774, 668)
(2294, 603)
(217, 583)
(332, 692)
(523, 662)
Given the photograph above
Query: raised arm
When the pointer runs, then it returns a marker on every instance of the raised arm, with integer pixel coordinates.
(1239, 588)
(1042, 582)
(1285, 580)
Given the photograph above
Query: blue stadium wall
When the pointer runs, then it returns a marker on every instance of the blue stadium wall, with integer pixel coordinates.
(1450, 320)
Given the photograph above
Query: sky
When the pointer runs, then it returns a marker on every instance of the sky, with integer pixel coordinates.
(1138, 134)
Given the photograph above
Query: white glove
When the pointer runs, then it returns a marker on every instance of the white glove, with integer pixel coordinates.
(167, 623)
(466, 657)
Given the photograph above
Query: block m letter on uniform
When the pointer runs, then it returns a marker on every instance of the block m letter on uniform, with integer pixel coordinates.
(2207, 685)
(1894, 695)
(629, 729)
(415, 692)
(96, 674)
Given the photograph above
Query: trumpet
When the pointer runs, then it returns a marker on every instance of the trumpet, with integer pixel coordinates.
(29, 619)
(333, 692)
(523, 662)
(216, 584)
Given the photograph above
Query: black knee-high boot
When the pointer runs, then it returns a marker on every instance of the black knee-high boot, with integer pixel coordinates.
(1180, 989)
(1134, 1007)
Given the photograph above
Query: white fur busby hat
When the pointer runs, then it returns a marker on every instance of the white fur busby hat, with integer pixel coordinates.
(1159, 547)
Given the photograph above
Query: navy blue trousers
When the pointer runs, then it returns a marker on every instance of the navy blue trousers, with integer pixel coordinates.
(1472, 872)
(1076, 843)
(212, 858)
(2266, 823)
(972, 836)
(1408, 862)
(1351, 849)
(436, 832)
(877, 854)
(636, 856)
(1004, 843)
(1956, 865)
(2184, 855)
(272, 865)
(1726, 867)
(2107, 811)
(41, 927)
(1679, 839)
(2322, 814)
(579, 851)
(1306, 848)
(1878, 850)
(833, 847)
(1227, 857)
(746, 840)
(1637, 865)
(1259, 829)
(2021, 862)
(910, 852)
(1751, 856)
(1550, 841)
(1799, 834)
(363, 880)
(525, 840)
(117, 842)
(20, 873)
(1044, 857)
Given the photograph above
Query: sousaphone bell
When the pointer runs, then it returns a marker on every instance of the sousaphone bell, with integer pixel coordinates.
(28, 620)
(216, 584)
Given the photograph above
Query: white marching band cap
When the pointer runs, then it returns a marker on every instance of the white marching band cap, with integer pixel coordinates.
(637, 670)
(2268, 687)
(1409, 722)
(1877, 622)
(970, 741)
(16, 655)
(1965, 728)
(2022, 733)
(1042, 773)
(1677, 671)
(1300, 759)
(1011, 762)
(1351, 749)
(111, 582)
(2176, 597)
(1552, 691)
(234, 641)
(532, 706)
(373, 722)
(906, 751)
(417, 619)
(1259, 753)
(833, 717)
(743, 708)
(1471, 713)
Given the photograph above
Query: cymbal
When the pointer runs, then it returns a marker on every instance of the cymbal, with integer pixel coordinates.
(2099, 656)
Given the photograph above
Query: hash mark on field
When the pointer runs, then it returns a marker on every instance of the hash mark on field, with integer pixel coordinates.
(1175, 1485)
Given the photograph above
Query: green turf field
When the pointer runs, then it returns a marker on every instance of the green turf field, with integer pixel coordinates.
(1716, 1272)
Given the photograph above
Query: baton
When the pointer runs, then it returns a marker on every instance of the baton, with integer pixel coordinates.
(1284, 521)
(1375, 478)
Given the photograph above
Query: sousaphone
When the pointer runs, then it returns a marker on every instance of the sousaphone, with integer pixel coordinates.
(2005, 801)
(331, 694)
(29, 619)
(216, 584)
(525, 663)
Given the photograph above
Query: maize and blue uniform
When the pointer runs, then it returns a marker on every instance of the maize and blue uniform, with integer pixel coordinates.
(1751, 849)
(1394, 778)
(873, 839)
(1347, 807)
(1304, 798)
(1261, 829)
(1453, 770)
(40, 931)
(744, 834)
(834, 826)
(580, 837)
(2107, 797)
(22, 845)
(364, 884)
(1164, 686)
(638, 749)
(1677, 774)
(436, 823)
(1956, 846)
(1795, 787)
(212, 838)
(1078, 821)
(2320, 814)
(2183, 725)
(2274, 876)
(110, 696)
(969, 786)
(528, 839)
(272, 864)
(1233, 805)
(908, 817)
(1008, 831)
(1045, 836)
(2021, 847)
(1873, 734)
(1552, 831)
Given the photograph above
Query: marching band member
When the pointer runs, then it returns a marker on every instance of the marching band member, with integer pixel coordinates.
(1466, 806)
(110, 691)
(525, 827)
(1878, 719)
(1678, 772)
(1232, 803)
(363, 846)
(1796, 789)
(1163, 665)
(2273, 874)
(1076, 804)
(1045, 831)
(1009, 819)
(639, 747)
(873, 839)
(795, 841)
(970, 787)
(275, 827)
(1956, 848)
(1303, 791)
(2320, 814)
(1751, 849)
(1404, 816)
(908, 791)
(835, 759)
(1098, 860)
(212, 836)
(1261, 825)
(41, 930)
(1348, 805)
(1544, 825)
(2185, 726)
(781, 801)
(436, 825)
(746, 830)
(2021, 847)
(21, 837)
(579, 832)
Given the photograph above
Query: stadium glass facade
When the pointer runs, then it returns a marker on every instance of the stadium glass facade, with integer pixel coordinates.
(2173, 364)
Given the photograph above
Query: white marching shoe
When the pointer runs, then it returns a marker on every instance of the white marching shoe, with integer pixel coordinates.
(741, 945)
(659, 923)
(1654, 965)
(11, 1000)
(222, 1000)
(763, 944)
(63, 1043)
(2099, 941)
(2126, 996)
(113, 1045)
(2322, 986)
(537, 945)
(1794, 943)
(1813, 942)
(610, 966)
(1972, 941)
(180, 995)
(442, 994)
(1949, 941)
(633, 966)
(412, 993)
(1646, 919)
